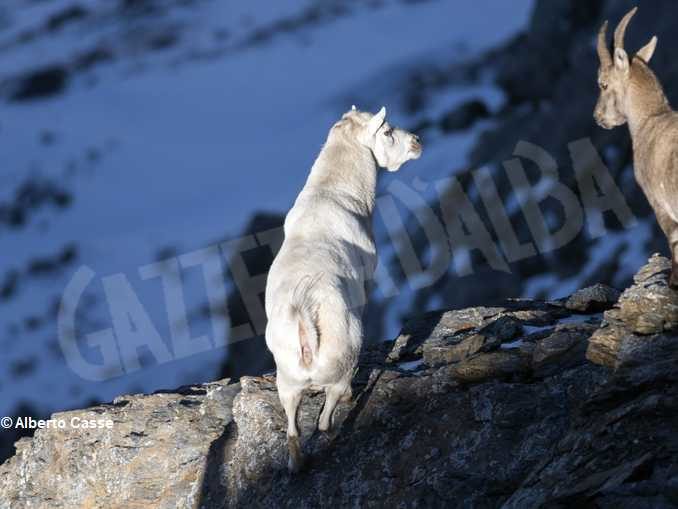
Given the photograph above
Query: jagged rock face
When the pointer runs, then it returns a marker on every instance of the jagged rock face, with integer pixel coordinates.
(153, 456)
(646, 308)
(650, 306)
(519, 405)
(593, 298)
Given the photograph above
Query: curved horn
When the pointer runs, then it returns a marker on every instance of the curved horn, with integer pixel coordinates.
(376, 121)
(603, 51)
(621, 28)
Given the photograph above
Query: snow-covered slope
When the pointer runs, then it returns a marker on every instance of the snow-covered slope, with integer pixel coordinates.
(167, 125)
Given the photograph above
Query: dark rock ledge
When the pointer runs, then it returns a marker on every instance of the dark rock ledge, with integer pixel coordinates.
(528, 404)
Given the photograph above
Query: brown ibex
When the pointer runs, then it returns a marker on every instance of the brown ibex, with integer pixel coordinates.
(630, 92)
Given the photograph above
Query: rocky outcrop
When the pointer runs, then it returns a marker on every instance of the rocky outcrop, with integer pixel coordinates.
(647, 308)
(526, 404)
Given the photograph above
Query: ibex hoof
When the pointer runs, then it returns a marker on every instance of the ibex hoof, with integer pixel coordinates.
(296, 460)
(673, 280)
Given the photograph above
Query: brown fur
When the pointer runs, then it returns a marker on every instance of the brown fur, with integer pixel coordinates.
(654, 131)
(631, 92)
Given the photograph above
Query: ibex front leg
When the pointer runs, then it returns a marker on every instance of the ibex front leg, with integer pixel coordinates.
(670, 229)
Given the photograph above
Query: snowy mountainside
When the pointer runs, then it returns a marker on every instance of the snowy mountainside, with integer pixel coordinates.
(133, 132)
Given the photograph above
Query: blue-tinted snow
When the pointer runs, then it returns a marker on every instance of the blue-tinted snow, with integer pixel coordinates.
(191, 141)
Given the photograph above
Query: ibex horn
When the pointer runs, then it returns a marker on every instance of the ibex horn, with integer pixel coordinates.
(603, 51)
(621, 29)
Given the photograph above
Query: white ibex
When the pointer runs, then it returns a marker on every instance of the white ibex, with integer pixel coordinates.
(315, 291)
(630, 92)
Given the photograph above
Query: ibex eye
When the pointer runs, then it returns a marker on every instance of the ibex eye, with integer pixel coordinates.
(603, 86)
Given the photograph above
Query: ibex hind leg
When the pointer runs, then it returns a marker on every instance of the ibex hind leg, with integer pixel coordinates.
(296, 457)
(673, 280)
(673, 243)
(333, 395)
(290, 397)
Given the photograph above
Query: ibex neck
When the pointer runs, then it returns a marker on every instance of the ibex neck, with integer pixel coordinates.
(645, 99)
(347, 168)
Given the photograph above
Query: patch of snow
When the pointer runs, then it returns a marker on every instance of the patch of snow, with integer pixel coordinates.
(631, 244)
(577, 318)
(532, 329)
(189, 148)
(513, 344)
(411, 365)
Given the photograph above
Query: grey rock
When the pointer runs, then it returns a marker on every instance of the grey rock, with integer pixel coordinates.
(438, 325)
(507, 364)
(605, 343)
(646, 308)
(594, 298)
(650, 306)
(619, 448)
(566, 347)
(153, 456)
(459, 347)
(480, 407)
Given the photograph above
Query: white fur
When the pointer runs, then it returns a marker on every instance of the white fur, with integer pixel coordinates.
(315, 291)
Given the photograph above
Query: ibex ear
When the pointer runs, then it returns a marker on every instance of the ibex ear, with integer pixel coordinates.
(647, 51)
(621, 60)
(376, 121)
